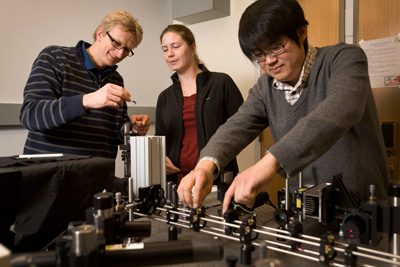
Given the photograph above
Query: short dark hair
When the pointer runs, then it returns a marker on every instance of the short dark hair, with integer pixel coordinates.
(266, 21)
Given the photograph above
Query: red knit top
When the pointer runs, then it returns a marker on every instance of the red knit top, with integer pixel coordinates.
(189, 149)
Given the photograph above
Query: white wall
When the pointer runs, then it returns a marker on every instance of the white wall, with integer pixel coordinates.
(29, 26)
(348, 21)
(12, 140)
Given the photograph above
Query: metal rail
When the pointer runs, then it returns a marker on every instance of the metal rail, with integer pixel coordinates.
(263, 231)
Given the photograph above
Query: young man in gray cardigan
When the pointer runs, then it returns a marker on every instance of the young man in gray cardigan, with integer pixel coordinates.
(318, 103)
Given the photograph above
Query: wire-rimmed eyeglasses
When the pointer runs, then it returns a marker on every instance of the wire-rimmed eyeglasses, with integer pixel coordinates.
(275, 51)
(119, 46)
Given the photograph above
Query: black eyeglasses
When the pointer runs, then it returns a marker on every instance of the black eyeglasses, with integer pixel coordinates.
(276, 51)
(119, 46)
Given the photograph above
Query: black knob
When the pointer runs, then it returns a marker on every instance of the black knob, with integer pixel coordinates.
(103, 200)
(231, 260)
(394, 190)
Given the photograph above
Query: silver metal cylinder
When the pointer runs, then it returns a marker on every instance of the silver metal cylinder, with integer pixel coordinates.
(127, 131)
(394, 239)
(301, 216)
(175, 199)
(106, 213)
(169, 192)
(118, 197)
(287, 194)
(84, 239)
(227, 177)
(287, 197)
(300, 179)
(130, 197)
(130, 190)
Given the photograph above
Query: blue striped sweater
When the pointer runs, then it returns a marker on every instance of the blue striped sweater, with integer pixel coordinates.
(52, 110)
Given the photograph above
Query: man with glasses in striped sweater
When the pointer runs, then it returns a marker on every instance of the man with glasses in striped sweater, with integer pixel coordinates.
(75, 100)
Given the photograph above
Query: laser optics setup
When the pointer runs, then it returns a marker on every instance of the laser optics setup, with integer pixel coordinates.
(344, 231)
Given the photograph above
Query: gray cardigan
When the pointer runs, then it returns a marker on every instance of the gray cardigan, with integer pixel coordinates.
(333, 127)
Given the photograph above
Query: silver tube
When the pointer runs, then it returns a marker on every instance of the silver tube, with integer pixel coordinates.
(301, 216)
(105, 213)
(287, 197)
(84, 239)
(174, 195)
(394, 239)
(287, 189)
(130, 196)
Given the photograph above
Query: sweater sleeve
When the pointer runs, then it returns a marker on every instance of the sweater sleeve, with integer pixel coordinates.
(239, 130)
(44, 105)
(345, 83)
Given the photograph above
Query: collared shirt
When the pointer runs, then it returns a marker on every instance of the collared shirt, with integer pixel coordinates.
(292, 93)
(90, 65)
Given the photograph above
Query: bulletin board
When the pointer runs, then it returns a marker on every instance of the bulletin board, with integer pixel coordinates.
(381, 19)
